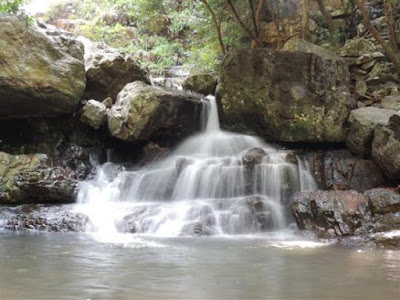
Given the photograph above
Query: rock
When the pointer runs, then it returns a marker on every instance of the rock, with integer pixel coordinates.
(260, 90)
(355, 48)
(332, 213)
(41, 70)
(387, 240)
(108, 70)
(253, 157)
(108, 102)
(94, 114)
(44, 218)
(363, 122)
(390, 102)
(144, 112)
(386, 148)
(152, 152)
(34, 179)
(201, 83)
(384, 200)
(340, 170)
(338, 213)
(300, 45)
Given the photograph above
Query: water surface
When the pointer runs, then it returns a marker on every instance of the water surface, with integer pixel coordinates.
(268, 266)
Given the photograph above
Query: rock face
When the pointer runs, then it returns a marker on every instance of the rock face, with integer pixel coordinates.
(261, 90)
(43, 218)
(94, 113)
(201, 83)
(108, 70)
(41, 70)
(363, 122)
(386, 148)
(32, 178)
(144, 112)
(340, 170)
(341, 213)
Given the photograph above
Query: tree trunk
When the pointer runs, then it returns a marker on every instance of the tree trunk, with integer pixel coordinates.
(252, 36)
(371, 28)
(305, 33)
(391, 25)
(259, 10)
(327, 16)
(217, 26)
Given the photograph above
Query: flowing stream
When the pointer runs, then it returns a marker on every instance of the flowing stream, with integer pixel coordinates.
(214, 183)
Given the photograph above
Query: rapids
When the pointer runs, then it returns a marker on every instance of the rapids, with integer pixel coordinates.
(214, 183)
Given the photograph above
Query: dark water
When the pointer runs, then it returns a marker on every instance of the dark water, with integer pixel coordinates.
(75, 266)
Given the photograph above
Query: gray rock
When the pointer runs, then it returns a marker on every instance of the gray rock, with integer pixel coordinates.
(201, 83)
(144, 112)
(363, 122)
(340, 170)
(260, 90)
(108, 70)
(386, 148)
(40, 217)
(332, 213)
(384, 200)
(42, 70)
(94, 114)
(33, 179)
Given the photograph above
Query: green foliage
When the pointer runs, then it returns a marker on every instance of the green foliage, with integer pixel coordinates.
(160, 33)
(12, 6)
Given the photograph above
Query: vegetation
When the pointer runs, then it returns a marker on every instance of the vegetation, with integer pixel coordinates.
(12, 6)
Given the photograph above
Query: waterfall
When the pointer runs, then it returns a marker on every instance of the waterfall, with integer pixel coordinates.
(214, 183)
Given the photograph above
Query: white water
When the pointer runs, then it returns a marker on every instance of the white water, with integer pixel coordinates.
(209, 185)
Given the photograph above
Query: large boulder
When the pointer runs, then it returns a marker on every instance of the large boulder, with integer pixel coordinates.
(41, 70)
(340, 213)
(33, 179)
(363, 122)
(340, 170)
(386, 148)
(108, 70)
(201, 83)
(261, 90)
(144, 112)
(331, 213)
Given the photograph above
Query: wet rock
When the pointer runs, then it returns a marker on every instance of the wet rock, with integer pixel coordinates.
(332, 213)
(201, 83)
(384, 200)
(261, 212)
(108, 70)
(340, 213)
(42, 70)
(94, 114)
(260, 90)
(144, 112)
(43, 218)
(363, 122)
(386, 148)
(153, 152)
(387, 240)
(340, 170)
(253, 157)
(34, 179)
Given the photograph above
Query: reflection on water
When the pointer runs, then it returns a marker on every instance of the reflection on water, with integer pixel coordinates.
(274, 266)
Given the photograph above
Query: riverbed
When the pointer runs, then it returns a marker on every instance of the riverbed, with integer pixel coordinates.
(36, 265)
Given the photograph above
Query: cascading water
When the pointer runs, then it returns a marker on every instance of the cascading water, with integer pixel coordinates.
(215, 182)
